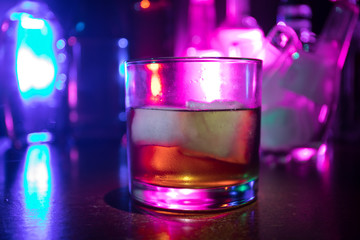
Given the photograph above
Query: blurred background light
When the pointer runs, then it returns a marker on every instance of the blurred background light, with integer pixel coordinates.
(39, 137)
(36, 66)
(80, 26)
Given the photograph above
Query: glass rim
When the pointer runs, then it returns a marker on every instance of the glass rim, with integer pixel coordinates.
(192, 59)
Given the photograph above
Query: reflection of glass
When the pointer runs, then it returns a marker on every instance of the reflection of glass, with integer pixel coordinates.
(37, 190)
(34, 73)
(193, 139)
(162, 225)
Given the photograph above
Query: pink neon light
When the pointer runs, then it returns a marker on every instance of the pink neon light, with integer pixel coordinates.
(323, 113)
(74, 155)
(72, 98)
(303, 154)
(73, 116)
(4, 26)
(9, 122)
(72, 41)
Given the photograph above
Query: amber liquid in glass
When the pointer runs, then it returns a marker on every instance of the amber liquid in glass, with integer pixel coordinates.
(193, 149)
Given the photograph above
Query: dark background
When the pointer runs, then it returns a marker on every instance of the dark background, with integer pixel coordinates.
(150, 32)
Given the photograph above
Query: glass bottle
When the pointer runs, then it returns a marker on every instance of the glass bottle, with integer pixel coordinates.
(299, 100)
(346, 125)
(239, 35)
(297, 14)
(33, 73)
(201, 26)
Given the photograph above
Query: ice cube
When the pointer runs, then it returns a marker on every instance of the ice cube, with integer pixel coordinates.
(224, 135)
(156, 127)
(214, 105)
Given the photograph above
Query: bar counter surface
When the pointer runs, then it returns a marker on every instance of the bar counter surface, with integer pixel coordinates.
(79, 191)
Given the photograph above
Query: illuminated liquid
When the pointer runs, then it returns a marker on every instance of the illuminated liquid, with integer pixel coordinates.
(206, 149)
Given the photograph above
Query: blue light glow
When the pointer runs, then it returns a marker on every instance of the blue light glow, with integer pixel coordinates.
(123, 43)
(61, 44)
(122, 116)
(36, 66)
(295, 55)
(80, 26)
(61, 81)
(39, 137)
(37, 190)
(122, 69)
(61, 57)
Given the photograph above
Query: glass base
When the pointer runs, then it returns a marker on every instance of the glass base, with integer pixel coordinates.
(194, 199)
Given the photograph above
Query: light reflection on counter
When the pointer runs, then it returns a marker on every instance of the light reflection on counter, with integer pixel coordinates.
(37, 186)
(164, 225)
(323, 163)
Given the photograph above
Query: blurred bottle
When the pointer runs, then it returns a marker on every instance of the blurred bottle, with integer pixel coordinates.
(297, 14)
(201, 27)
(33, 69)
(239, 35)
(347, 123)
(300, 97)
